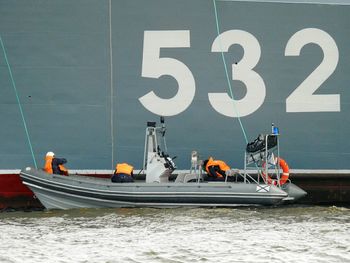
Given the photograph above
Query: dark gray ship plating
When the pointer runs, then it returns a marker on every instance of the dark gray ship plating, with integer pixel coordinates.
(89, 73)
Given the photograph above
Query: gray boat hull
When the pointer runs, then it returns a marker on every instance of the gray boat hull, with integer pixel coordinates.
(61, 192)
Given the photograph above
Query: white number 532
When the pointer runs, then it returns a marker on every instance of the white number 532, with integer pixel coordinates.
(302, 99)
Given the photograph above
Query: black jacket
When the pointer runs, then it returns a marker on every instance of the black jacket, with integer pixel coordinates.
(55, 165)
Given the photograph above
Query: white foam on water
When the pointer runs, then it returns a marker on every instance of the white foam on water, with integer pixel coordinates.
(288, 234)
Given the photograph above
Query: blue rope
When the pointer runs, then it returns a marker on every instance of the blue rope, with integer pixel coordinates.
(227, 76)
(18, 101)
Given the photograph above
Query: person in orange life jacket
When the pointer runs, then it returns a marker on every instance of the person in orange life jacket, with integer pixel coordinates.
(54, 165)
(216, 169)
(123, 173)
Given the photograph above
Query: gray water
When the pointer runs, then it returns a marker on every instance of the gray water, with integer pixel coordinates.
(288, 234)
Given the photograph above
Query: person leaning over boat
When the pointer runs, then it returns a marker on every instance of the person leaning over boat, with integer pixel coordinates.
(55, 165)
(216, 169)
(123, 173)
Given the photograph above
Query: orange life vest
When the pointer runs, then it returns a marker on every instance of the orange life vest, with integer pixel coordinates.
(222, 165)
(124, 168)
(48, 164)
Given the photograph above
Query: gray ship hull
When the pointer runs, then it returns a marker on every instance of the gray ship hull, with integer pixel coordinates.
(89, 74)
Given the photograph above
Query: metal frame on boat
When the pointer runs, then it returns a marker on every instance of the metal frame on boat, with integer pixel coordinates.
(158, 190)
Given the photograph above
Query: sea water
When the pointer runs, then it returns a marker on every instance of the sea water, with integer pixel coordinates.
(250, 234)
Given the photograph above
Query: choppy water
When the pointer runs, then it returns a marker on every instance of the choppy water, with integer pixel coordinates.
(288, 234)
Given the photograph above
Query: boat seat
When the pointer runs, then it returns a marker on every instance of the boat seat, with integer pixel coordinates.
(186, 177)
(180, 178)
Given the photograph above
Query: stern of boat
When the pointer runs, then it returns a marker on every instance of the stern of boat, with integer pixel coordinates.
(294, 192)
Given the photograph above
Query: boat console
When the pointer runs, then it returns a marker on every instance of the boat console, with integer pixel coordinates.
(157, 164)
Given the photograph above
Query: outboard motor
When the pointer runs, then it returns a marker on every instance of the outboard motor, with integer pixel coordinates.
(157, 163)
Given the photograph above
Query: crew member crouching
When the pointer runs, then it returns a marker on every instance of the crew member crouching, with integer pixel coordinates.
(55, 165)
(216, 169)
(123, 173)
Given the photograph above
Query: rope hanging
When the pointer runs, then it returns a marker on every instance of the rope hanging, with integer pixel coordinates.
(18, 102)
(226, 72)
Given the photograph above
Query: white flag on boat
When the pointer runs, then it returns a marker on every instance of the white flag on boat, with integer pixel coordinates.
(262, 188)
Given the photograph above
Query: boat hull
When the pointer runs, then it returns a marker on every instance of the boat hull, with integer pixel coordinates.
(60, 192)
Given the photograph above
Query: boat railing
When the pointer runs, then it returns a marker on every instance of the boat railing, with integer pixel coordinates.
(262, 160)
(257, 163)
(247, 178)
(195, 173)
